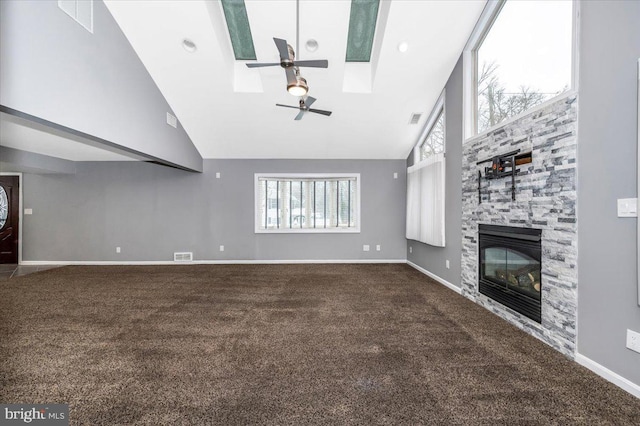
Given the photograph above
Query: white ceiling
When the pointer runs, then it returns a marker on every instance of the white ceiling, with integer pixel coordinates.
(229, 110)
(202, 87)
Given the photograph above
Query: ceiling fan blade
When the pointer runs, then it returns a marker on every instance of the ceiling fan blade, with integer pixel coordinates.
(309, 101)
(318, 63)
(299, 116)
(258, 65)
(291, 76)
(282, 47)
(288, 106)
(320, 111)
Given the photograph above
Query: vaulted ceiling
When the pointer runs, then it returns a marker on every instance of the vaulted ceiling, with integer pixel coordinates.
(229, 110)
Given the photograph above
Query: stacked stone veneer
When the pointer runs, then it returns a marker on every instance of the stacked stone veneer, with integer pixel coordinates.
(545, 199)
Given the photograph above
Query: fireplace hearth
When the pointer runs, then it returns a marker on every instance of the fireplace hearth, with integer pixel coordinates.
(509, 268)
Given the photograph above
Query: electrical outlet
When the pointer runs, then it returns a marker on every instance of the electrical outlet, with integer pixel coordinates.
(633, 340)
(117, 249)
(395, 175)
(365, 247)
(28, 211)
(446, 263)
(378, 248)
(221, 248)
(410, 249)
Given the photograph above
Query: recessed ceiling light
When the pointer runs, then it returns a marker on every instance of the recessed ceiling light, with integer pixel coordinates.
(403, 47)
(189, 45)
(311, 45)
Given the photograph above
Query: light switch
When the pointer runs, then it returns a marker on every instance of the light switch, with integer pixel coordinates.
(365, 247)
(28, 211)
(395, 175)
(627, 207)
(217, 175)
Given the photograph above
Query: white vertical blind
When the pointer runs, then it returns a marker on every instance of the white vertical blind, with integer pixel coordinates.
(307, 202)
(425, 201)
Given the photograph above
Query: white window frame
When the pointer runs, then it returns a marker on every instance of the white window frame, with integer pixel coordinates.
(286, 176)
(438, 108)
(65, 6)
(470, 69)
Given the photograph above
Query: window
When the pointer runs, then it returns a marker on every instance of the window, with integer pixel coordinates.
(235, 14)
(519, 56)
(80, 10)
(431, 140)
(307, 203)
(426, 183)
(434, 142)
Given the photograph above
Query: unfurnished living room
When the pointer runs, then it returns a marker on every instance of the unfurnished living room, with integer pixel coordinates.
(319, 212)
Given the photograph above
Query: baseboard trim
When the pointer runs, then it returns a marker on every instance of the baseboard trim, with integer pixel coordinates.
(435, 277)
(204, 262)
(609, 375)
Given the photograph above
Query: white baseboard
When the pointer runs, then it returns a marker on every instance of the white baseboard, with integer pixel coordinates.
(204, 262)
(609, 375)
(435, 277)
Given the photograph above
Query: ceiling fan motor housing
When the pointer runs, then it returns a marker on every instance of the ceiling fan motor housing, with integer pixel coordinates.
(288, 62)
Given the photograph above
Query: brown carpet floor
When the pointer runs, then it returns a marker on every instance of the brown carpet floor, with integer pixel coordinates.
(282, 344)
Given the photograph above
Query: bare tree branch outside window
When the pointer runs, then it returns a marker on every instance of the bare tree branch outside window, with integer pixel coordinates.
(434, 142)
(495, 104)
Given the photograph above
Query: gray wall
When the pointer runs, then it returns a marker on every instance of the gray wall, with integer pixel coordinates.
(607, 153)
(151, 211)
(15, 160)
(429, 257)
(55, 70)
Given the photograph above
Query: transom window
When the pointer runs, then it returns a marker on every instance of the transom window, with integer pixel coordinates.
(431, 141)
(307, 203)
(521, 54)
(434, 142)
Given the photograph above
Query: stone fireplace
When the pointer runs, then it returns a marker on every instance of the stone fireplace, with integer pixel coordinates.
(545, 204)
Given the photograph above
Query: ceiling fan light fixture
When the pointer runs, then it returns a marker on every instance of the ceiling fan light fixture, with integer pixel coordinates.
(299, 88)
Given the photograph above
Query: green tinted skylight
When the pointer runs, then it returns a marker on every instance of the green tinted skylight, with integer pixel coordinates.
(235, 14)
(362, 27)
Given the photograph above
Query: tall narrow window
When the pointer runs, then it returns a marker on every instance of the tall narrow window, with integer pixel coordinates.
(307, 203)
(523, 58)
(426, 183)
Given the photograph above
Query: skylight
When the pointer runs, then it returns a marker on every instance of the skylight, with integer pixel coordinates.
(235, 14)
(362, 28)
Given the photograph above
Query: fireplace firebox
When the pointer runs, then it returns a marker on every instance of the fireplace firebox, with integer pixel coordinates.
(509, 269)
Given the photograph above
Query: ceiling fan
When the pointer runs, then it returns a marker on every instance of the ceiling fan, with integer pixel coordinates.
(296, 85)
(306, 106)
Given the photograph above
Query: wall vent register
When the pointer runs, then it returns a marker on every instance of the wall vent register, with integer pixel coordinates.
(185, 256)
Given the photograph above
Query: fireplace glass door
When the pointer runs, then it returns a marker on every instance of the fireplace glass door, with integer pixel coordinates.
(509, 267)
(514, 270)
